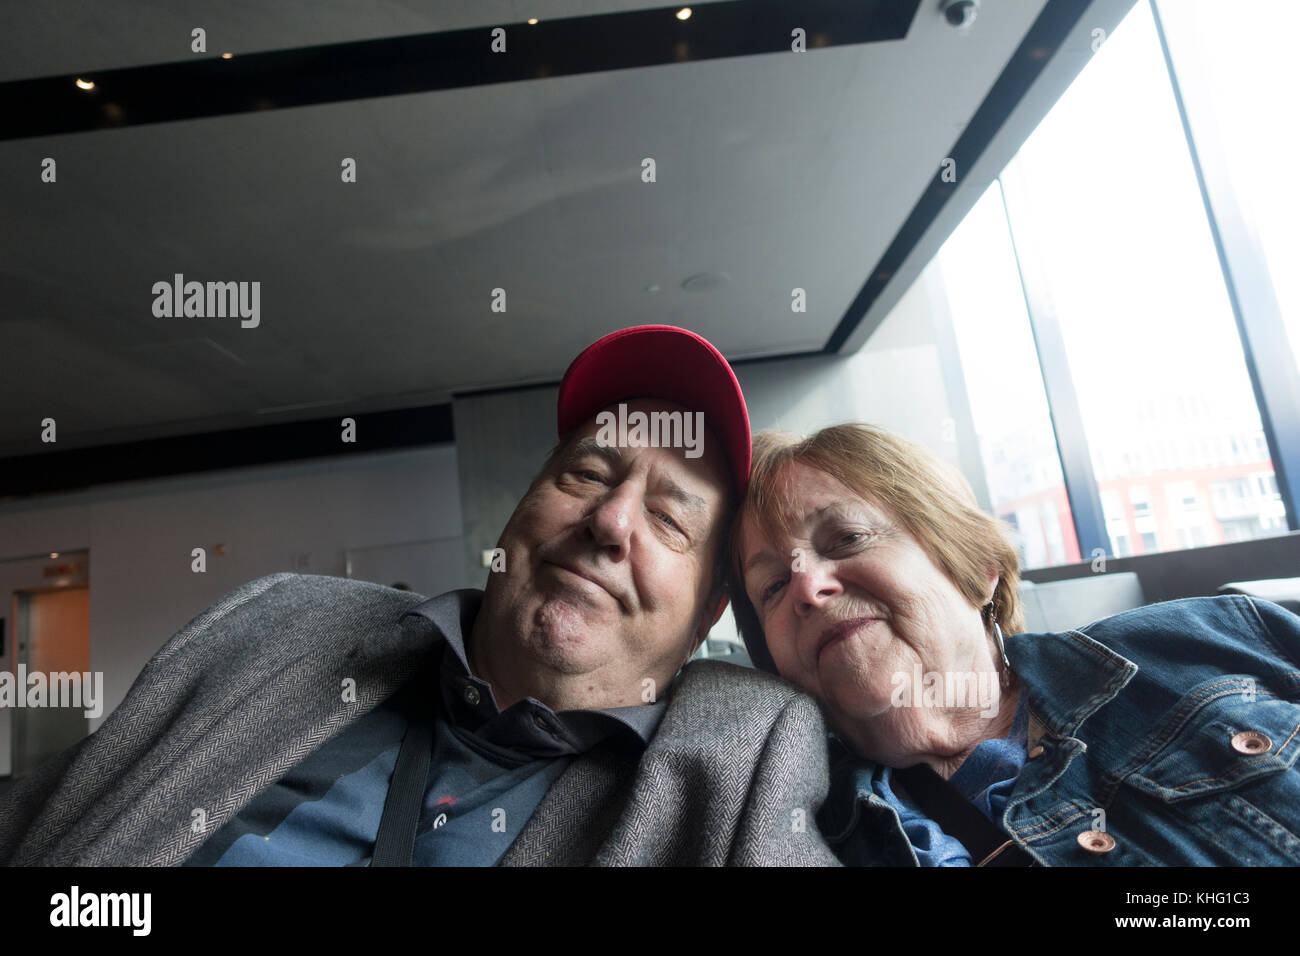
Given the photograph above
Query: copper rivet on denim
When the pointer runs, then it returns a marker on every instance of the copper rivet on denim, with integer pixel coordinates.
(1036, 752)
(1094, 841)
(1251, 742)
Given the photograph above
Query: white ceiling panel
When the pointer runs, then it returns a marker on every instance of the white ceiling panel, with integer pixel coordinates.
(773, 172)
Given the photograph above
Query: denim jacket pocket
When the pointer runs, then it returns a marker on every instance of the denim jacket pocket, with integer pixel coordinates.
(1222, 734)
(1224, 764)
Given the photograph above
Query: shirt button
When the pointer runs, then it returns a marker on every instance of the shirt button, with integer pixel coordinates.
(1096, 842)
(471, 694)
(1036, 752)
(1251, 742)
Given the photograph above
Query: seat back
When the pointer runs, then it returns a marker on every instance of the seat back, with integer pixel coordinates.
(1061, 605)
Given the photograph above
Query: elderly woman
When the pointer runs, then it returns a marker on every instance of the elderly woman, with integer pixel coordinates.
(866, 575)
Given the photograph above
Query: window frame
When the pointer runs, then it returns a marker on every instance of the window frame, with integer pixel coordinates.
(1274, 378)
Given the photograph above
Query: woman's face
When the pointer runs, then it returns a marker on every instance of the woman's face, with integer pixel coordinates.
(849, 601)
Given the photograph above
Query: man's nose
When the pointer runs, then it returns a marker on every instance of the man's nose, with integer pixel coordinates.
(611, 522)
(814, 585)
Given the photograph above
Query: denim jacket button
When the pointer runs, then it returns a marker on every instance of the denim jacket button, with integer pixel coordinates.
(1036, 752)
(1251, 742)
(1097, 842)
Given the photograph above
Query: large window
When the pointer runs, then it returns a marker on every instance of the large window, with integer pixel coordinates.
(1105, 197)
(1243, 55)
(1097, 238)
(1004, 384)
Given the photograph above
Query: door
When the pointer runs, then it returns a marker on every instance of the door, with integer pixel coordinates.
(52, 636)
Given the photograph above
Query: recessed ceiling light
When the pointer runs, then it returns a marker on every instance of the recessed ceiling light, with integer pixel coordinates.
(85, 84)
(532, 19)
(704, 281)
(684, 13)
(226, 56)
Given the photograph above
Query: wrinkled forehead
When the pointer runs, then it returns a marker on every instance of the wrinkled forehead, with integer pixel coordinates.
(674, 443)
(666, 430)
(785, 502)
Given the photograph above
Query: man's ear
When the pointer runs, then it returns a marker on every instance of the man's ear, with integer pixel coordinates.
(707, 620)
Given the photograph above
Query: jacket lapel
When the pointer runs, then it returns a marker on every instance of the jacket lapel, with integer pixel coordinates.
(579, 811)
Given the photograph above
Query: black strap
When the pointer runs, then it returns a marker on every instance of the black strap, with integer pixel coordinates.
(987, 844)
(396, 839)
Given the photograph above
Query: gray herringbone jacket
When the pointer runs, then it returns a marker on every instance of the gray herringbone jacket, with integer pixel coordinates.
(251, 686)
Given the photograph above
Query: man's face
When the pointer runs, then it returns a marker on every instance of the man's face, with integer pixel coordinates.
(610, 560)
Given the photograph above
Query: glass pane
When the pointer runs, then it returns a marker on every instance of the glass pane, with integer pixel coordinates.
(1246, 60)
(1104, 197)
(1004, 384)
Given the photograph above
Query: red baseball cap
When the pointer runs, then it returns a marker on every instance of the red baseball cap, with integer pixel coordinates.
(659, 361)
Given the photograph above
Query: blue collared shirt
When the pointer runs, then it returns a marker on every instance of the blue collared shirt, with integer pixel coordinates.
(488, 771)
(985, 778)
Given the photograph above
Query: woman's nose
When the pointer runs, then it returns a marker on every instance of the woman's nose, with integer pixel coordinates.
(814, 584)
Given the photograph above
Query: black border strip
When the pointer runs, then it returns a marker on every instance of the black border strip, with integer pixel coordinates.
(79, 468)
(1022, 70)
(394, 66)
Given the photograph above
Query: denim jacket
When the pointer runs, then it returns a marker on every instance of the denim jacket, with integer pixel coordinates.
(1169, 736)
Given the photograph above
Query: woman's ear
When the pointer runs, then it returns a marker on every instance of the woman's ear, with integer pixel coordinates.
(993, 586)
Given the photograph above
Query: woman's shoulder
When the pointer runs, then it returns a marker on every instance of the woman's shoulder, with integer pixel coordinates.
(1228, 622)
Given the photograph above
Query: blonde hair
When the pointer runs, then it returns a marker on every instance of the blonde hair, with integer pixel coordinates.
(927, 496)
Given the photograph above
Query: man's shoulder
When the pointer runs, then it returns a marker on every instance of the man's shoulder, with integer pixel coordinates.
(288, 591)
(244, 692)
(288, 609)
(723, 697)
(702, 676)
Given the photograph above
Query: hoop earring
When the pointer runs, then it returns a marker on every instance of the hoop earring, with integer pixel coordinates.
(997, 637)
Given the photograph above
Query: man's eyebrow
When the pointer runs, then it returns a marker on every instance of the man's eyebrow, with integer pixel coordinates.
(691, 502)
(614, 455)
(590, 446)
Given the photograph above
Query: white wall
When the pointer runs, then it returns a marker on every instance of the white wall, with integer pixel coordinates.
(501, 442)
(140, 536)
(896, 381)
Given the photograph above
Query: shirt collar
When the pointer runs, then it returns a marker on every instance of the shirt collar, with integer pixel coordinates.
(1067, 676)
(528, 725)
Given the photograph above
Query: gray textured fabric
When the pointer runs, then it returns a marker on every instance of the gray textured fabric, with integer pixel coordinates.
(256, 682)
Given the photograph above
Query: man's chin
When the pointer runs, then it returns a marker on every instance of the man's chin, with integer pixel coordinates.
(569, 636)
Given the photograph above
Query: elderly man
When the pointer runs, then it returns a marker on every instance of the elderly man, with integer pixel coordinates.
(316, 721)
